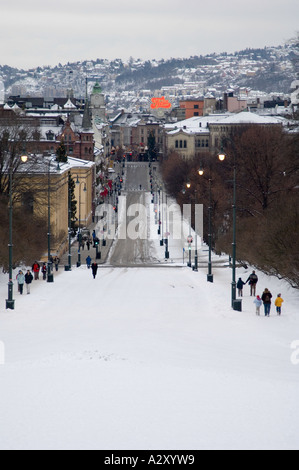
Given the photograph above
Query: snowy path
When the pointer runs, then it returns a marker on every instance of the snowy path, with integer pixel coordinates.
(145, 358)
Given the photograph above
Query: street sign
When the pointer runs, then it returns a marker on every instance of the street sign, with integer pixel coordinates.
(190, 239)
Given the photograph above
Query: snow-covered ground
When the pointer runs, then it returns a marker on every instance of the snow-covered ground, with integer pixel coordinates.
(147, 358)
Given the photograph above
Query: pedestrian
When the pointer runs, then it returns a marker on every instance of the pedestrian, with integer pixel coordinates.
(94, 268)
(21, 281)
(44, 271)
(266, 298)
(56, 262)
(36, 269)
(252, 280)
(278, 304)
(88, 261)
(88, 244)
(240, 286)
(258, 302)
(28, 280)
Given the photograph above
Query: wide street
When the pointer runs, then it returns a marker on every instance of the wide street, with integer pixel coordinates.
(147, 358)
(134, 246)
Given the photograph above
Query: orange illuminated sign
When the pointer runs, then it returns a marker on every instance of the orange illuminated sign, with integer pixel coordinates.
(160, 103)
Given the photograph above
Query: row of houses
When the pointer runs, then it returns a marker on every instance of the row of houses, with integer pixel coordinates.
(188, 138)
(80, 135)
(90, 141)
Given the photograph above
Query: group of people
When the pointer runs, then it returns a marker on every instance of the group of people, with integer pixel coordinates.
(26, 279)
(266, 298)
(267, 301)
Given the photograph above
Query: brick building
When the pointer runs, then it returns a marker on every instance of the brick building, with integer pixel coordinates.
(193, 108)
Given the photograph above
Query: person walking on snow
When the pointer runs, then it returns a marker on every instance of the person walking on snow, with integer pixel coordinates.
(266, 298)
(88, 261)
(278, 304)
(35, 269)
(252, 280)
(240, 286)
(44, 271)
(21, 281)
(28, 280)
(258, 302)
(94, 268)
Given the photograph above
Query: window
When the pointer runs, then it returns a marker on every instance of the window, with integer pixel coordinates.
(176, 144)
(50, 135)
(185, 144)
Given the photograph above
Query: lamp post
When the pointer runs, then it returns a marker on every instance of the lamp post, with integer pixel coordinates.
(79, 235)
(236, 304)
(50, 277)
(159, 195)
(188, 186)
(210, 277)
(167, 233)
(10, 303)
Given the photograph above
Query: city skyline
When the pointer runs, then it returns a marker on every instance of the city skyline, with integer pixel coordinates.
(37, 34)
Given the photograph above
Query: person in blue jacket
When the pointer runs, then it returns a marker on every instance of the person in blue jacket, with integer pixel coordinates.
(88, 261)
(21, 281)
(240, 285)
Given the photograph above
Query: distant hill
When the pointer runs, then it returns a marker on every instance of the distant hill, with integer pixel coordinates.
(270, 69)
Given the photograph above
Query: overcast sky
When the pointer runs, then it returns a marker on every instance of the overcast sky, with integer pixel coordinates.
(36, 32)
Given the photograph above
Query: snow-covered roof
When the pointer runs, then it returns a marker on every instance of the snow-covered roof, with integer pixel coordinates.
(193, 125)
(197, 125)
(40, 165)
(248, 118)
(69, 105)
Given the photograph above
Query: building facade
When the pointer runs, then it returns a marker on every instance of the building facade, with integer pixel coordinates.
(45, 180)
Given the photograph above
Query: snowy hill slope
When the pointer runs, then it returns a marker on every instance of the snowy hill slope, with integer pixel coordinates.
(147, 358)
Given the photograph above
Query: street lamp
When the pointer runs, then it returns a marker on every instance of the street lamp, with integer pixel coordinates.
(50, 277)
(188, 186)
(167, 255)
(10, 303)
(210, 277)
(79, 235)
(236, 304)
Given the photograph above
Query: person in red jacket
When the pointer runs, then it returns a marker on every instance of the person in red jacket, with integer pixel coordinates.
(36, 269)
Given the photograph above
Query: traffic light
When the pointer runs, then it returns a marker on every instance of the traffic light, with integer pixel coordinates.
(96, 242)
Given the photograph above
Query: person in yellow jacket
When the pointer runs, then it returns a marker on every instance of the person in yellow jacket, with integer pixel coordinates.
(278, 304)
